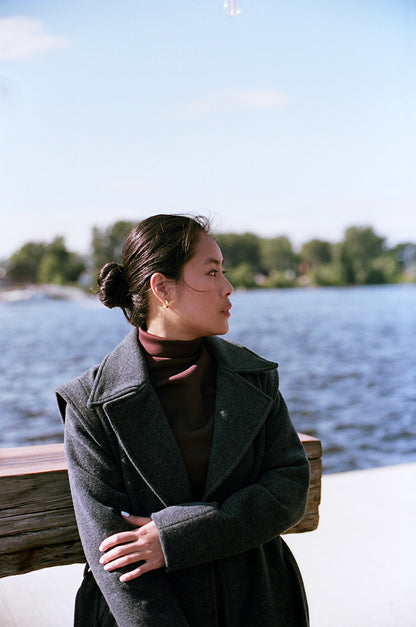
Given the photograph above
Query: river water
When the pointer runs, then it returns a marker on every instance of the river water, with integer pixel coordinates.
(346, 360)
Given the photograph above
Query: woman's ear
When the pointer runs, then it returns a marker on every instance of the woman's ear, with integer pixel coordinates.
(162, 288)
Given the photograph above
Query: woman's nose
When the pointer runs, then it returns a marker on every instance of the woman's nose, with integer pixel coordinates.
(228, 288)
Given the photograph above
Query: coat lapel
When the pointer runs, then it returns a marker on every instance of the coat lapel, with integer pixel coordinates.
(122, 387)
(241, 410)
(148, 441)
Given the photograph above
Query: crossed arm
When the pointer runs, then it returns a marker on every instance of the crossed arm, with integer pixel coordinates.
(249, 517)
(141, 544)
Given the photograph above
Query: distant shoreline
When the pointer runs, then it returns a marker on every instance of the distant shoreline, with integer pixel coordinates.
(69, 292)
(48, 291)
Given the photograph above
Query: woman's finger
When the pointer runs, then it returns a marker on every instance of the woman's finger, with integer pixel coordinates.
(137, 546)
(137, 572)
(125, 560)
(139, 521)
(117, 538)
(120, 551)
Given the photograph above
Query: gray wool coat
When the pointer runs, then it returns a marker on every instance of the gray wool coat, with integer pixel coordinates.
(226, 563)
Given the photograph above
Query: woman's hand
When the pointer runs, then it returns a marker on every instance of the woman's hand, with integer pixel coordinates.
(138, 545)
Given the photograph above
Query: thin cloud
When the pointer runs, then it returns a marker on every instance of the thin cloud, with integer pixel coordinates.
(23, 37)
(249, 99)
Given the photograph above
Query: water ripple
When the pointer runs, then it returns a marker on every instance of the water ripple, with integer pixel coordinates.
(346, 361)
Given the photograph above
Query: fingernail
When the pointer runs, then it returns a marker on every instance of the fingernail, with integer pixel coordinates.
(123, 578)
(125, 514)
(101, 559)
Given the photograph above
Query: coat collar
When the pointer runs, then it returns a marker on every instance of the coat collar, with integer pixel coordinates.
(122, 386)
(120, 373)
(124, 369)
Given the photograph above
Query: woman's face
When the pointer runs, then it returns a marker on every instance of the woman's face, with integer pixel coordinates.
(201, 304)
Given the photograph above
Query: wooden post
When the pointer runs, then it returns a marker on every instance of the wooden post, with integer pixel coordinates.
(37, 521)
(310, 521)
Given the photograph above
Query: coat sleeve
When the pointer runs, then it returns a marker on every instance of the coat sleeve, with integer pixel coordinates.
(99, 496)
(195, 533)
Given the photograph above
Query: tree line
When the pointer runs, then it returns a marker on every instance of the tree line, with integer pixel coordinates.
(361, 258)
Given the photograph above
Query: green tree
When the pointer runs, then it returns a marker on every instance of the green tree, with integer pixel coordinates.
(326, 275)
(239, 249)
(241, 276)
(279, 279)
(277, 255)
(59, 265)
(75, 266)
(107, 243)
(383, 269)
(23, 265)
(316, 253)
(50, 270)
(318, 262)
(360, 247)
(45, 263)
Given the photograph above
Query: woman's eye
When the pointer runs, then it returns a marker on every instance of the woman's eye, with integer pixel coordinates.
(214, 272)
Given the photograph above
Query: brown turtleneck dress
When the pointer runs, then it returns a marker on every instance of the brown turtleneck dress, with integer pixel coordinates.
(183, 375)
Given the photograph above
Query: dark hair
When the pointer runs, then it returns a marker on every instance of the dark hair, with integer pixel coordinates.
(161, 243)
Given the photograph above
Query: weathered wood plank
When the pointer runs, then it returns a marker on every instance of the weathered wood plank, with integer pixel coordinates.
(27, 561)
(37, 521)
(49, 457)
(308, 523)
(316, 470)
(32, 459)
(39, 535)
(312, 446)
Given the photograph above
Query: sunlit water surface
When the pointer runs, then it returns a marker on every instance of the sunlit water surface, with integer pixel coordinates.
(346, 360)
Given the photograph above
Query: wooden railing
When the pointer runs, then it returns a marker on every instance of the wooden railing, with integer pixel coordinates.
(37, 522)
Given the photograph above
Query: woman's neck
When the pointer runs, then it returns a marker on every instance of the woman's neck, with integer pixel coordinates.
(157, 346)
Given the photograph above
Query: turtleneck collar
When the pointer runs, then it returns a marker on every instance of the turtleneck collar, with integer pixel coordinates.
(156, 346)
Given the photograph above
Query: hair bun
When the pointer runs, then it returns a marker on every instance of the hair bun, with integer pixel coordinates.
(113, 289)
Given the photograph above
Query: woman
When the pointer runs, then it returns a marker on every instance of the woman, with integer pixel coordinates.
(183, 462)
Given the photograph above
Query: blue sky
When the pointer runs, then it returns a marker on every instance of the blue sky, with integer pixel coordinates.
(294, 118)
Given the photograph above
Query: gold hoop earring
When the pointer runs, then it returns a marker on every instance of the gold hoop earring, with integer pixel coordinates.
(166, 304)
